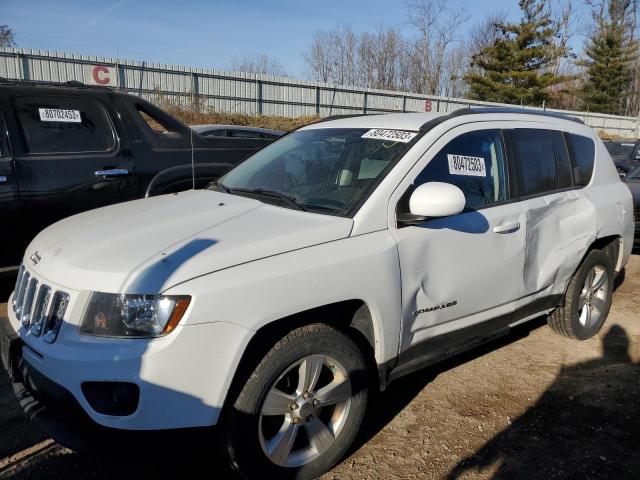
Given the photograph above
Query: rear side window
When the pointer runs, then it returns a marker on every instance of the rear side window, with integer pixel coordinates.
(474, 162)
(55, 125)
(161, 129)
(584, 152)
(537, 163)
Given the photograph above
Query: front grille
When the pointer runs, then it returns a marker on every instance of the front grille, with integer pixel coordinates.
(33, 306)
(40, 310)
(20, 293)
(18, 285)
(54, 321)
(27, 304)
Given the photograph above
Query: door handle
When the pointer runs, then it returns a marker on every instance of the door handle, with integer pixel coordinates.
(112, 173)
(507, 227)
(3, 179)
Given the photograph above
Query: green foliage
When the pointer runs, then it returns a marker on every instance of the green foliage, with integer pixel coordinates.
(610, 56)
(518, 67)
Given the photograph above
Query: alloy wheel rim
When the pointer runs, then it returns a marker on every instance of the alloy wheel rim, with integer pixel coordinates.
(593, 297)
(304, 411)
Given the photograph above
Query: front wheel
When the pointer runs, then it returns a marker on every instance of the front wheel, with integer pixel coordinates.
(300, 408)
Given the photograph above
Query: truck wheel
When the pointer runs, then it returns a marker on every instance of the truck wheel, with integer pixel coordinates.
(588, 299)
(301, 407)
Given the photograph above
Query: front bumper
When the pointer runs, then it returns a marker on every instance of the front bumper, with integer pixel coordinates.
(55, 410)
(182, 378)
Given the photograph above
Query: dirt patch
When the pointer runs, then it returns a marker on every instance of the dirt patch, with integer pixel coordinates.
(532, 405)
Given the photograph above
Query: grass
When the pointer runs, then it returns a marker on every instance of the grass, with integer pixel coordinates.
(194, 116)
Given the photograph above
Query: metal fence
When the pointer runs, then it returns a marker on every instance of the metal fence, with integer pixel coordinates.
(252, 94)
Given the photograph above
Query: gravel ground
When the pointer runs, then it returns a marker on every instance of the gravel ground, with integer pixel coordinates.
(532, 405)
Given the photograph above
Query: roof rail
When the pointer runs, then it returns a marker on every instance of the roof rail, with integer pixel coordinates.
(527, 111)
(476, 110)
(340, 117)
(43, 83)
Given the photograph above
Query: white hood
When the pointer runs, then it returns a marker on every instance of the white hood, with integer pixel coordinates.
(147, 246)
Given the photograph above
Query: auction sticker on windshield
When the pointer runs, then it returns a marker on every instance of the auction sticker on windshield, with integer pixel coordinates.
(390, 135)
(59, 115)
(466, 165)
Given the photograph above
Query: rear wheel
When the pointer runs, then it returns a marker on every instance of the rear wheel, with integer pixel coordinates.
(300, 408)
(588, 299)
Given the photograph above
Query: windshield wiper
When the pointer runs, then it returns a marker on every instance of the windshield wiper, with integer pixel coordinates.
(291, 201)
(324, 208)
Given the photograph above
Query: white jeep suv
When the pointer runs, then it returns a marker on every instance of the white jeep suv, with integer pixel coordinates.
(342, 256)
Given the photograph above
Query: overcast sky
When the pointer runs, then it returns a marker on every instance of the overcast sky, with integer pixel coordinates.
(207, 33)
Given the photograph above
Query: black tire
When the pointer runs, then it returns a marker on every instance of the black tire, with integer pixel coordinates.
(565, 320)
(241, 421)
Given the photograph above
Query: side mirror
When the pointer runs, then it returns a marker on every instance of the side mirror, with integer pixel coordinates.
(436, 199)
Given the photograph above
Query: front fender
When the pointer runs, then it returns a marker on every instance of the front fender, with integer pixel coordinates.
(257, 293)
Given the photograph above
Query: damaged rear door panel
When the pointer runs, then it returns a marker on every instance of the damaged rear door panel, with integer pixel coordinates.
(561, 221)
(560, 228)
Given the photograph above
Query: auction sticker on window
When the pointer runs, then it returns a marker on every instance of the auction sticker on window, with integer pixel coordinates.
(390, 135)
(59, 115)
(465, 165)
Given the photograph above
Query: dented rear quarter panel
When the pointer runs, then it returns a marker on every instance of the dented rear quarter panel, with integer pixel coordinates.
(614, 202)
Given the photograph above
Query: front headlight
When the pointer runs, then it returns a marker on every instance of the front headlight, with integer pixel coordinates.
(119, 315)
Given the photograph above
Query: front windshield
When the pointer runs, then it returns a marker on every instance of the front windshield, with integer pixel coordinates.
(328, 170)
(634, 175)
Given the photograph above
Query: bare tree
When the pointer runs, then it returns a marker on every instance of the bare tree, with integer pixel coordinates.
(260, 63)
(342, 45)
(332, 56)
(567, 24)
(598, 9)
(437, 28)
(430, 61)
(485, 32)
(370, 59)
(456, 67)
(7, 37)
(318, 58)
(379, 57)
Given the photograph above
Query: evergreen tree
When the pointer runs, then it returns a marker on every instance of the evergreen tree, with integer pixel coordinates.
(610, 56)
(517, 67)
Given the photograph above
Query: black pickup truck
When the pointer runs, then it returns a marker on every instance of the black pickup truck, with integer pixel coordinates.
(69, 148)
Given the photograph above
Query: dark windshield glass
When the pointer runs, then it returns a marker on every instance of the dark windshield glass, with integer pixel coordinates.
(329, 170)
